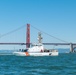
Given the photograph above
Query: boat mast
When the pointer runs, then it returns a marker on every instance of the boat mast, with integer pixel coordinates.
(39, 37)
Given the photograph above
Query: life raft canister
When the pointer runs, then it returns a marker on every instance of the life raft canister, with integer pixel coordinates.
(41, 50)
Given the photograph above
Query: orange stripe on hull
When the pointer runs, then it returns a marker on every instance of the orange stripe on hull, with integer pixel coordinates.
(27, 54)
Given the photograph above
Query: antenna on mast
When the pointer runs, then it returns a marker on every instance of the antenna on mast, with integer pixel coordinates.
(39, 37)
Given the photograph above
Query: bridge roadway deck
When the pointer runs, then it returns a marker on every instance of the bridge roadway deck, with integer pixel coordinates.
(59, 43)
(43, 43)
(12, 43)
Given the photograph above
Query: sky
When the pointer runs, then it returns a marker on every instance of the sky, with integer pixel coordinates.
(54, 17)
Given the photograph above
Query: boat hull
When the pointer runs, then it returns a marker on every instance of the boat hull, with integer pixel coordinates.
(36, 54)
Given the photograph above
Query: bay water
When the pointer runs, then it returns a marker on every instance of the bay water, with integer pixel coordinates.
(64, 64)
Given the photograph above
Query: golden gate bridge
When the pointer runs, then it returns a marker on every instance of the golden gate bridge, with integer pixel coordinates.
(72, 45)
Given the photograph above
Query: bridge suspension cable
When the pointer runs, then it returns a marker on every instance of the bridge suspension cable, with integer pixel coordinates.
(49, 34)
(10, 32)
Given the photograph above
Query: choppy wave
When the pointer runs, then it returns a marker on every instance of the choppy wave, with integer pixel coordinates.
(64, 64)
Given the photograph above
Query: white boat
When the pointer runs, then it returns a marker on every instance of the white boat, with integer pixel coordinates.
(37, 50)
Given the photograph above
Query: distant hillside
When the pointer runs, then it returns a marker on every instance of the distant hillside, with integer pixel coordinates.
(4, 52)
(61, 50)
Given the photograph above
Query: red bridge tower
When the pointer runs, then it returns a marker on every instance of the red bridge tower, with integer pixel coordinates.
(28, 36)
